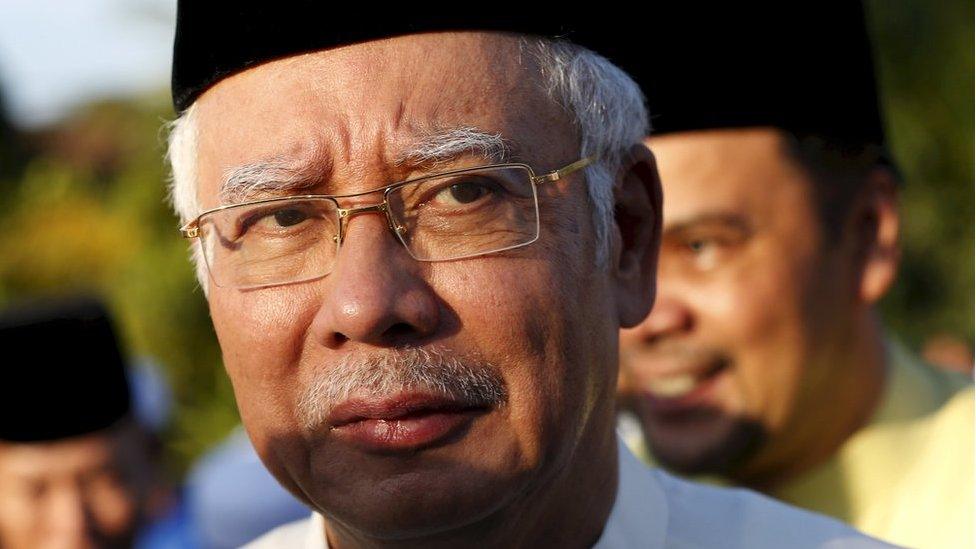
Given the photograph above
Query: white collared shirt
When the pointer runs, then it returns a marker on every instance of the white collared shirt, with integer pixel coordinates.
(656, 510)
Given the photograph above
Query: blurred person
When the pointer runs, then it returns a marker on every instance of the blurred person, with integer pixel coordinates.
(764, 361)
(232, 499)
(420, 329)
(169, 523)
(75, 464)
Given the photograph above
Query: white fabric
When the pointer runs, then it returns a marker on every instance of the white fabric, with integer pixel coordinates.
(656, 510)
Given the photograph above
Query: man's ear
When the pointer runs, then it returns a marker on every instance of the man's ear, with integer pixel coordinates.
(637, 212)
(875, 224)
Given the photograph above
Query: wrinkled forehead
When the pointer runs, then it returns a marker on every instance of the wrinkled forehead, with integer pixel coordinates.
(741, 171)
(357, 108)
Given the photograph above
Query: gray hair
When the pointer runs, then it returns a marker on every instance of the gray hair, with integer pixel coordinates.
(467, 380)
(605, 104)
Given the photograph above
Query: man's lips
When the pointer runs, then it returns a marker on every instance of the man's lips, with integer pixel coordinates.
(404, 421)
(393, 407)
(682, 389)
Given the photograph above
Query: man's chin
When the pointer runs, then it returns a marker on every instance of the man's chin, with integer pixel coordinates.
(433, 490)
(442, 499)
(704, 444)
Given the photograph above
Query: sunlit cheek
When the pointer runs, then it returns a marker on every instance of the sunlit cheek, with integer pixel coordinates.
(112, 505)
(262, 329)
(765, 339)
(21, 514)
(507, 306)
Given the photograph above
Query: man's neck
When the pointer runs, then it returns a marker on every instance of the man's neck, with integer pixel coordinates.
(570, 509)
(851, 384)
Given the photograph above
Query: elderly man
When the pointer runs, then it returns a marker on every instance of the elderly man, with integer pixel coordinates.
(764, 361)
(418, 244)
(75, 470)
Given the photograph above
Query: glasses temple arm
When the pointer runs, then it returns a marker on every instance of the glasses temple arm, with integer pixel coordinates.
(564, 171)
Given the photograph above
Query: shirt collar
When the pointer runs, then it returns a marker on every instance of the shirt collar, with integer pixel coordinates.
(315, 535)
(639, 517)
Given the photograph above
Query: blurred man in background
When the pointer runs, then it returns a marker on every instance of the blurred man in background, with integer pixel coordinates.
(763, 360)
(232, 499)
(76, 468)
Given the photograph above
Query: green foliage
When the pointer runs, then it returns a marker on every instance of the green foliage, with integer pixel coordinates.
(925, 61)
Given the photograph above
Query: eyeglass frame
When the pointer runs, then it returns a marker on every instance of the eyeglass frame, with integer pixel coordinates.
(191, 229)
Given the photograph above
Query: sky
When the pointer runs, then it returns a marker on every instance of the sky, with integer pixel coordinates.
(56, 54)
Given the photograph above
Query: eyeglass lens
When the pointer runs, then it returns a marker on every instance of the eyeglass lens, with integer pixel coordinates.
(439, 218)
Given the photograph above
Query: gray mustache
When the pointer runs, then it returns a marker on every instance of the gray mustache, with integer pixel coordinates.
(468, 380)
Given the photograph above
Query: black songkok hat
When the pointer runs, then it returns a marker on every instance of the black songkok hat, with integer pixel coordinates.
(805, 67)
(62, 373)
(215, 40)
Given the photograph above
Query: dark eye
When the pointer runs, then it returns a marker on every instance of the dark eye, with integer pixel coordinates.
(699, 245)
(465, 192)
(289, 217)
(275, 219)
(706, 252)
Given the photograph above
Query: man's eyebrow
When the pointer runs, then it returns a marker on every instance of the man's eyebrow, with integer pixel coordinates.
(723, 219)
(443, 146)
(279, 175)
(263, 177)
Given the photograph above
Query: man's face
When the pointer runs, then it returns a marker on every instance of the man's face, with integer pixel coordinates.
(80, 492)
(536, 325)
(750, 304)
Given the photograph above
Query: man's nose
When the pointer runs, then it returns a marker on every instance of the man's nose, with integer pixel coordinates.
(69, 519)
(376, 293)
(669, 317)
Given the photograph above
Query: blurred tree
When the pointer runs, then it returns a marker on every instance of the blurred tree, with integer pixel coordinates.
(924, 54)
(13, 155)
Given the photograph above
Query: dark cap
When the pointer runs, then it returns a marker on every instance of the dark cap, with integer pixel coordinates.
(62, 373)
(215, 40)
(805, 67)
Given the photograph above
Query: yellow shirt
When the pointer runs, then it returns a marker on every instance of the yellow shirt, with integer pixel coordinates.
(907, 476)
